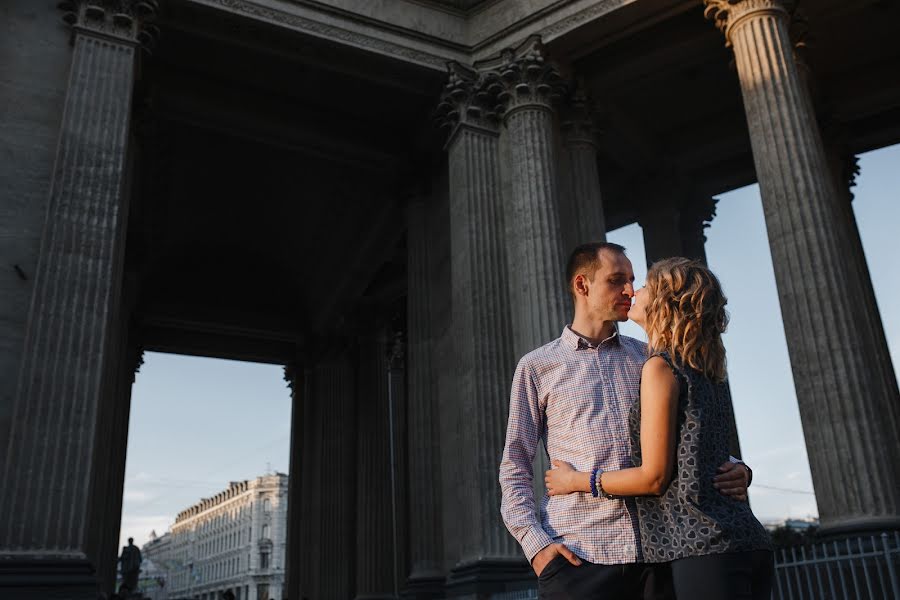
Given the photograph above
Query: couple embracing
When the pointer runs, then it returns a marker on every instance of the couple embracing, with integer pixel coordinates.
(643, 499)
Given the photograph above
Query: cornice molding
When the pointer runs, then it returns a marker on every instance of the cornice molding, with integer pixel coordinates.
(328, 31)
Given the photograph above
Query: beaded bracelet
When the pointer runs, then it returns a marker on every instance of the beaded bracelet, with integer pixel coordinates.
(599, 485)
(594, 492)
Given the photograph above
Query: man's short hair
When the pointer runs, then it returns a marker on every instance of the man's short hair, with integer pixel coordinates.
(586, 259)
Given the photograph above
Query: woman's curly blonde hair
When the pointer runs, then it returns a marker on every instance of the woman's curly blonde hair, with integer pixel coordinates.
(686, 315)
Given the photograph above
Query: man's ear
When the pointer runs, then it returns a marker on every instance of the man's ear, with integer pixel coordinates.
(580, 285)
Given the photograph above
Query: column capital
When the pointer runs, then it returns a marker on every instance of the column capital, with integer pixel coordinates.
(726, 14)
(467, 101)
(125, 21)
(843, 162)
(524, 76)
(137, 361)
(699, 208)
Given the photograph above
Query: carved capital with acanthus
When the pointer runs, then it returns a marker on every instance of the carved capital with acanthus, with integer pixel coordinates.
(727, 14)
(525, 76)
(128, 21)
(136, 358)
(698, 211)
(467, 100)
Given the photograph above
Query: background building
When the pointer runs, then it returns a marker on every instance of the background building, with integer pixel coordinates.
(232, 541)
(157, 562)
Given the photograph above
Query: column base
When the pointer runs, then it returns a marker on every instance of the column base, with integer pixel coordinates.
(51, 579)
(839, 528)
(425, 586)
(490, 576)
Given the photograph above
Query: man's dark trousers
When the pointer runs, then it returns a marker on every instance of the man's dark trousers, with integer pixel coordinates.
(561, 580)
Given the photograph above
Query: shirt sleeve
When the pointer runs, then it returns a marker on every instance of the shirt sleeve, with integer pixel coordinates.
(523, 433)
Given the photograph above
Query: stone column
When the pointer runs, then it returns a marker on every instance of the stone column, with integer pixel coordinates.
(696, 214)
(375, 544)
(473, 428)
(327, 555)
(46, 526)
(846, 388)
(297, 379)
(581, 201)
(426, 576)
(399, 463)
(108, 511)
(660, 219)
(538, 299)
(843, 166)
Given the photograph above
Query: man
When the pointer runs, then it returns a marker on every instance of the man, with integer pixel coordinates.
(575, 393)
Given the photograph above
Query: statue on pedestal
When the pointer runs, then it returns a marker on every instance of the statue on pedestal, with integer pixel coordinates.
(130, 562)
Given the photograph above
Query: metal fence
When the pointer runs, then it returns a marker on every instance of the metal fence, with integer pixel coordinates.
(861, 568)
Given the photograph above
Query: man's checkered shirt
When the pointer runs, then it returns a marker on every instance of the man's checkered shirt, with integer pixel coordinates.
(575, 397)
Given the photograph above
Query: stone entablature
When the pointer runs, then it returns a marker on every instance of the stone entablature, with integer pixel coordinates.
(426, 33)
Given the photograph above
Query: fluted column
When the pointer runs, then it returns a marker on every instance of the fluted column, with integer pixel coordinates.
(305, 563)
(661, 227)
(50, 461)
(108, 510)
(337, 485)
(581, 201)
(297, 378)
(375, 545)
(843, 167)
(846, 388)
(426, 574)
(473, 428)
(327, 554)
(695, 215)
(399, 463)
(539, 301)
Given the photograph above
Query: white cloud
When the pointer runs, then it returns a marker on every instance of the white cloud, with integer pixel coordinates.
(133, 496)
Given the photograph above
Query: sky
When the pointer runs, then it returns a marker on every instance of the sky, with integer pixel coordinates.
(198, 423)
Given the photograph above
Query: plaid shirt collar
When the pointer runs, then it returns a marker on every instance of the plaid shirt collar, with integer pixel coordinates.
(575, 341)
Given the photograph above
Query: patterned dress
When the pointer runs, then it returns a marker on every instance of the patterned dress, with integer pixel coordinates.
(691, 518)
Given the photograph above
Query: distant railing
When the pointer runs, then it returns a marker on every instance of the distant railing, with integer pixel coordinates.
(860, 568)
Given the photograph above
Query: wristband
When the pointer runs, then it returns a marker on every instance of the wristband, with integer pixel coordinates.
(594, 492)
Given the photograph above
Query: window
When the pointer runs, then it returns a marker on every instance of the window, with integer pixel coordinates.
(263, 560)
(265, 532)
(267, 506)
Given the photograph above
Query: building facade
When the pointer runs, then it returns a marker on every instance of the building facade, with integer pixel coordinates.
(234, 541)
(157, 561)
(379, 196)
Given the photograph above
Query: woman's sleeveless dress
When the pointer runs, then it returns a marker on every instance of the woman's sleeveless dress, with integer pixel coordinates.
(692, 518)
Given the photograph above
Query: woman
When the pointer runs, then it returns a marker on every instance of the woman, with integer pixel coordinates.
(680, 428)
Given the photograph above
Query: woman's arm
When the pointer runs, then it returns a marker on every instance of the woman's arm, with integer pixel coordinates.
(659, 401)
